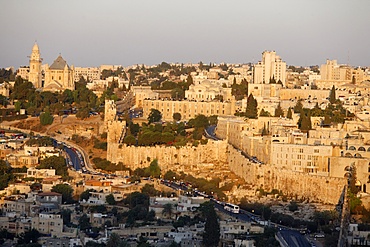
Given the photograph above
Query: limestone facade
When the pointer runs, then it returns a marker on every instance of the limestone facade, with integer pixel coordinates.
(185, 159)
(207, 91)
(188, 109)
(141, 93)
(35, 72)
(88, 73)
(59, 76)
(271, 66)
(313, 187)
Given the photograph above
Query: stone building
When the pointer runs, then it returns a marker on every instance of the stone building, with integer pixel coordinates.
(59, 76)
(48, 223)
(88, 73)
(207, 91)
(271, 66)
(188, 109)
(35, 73)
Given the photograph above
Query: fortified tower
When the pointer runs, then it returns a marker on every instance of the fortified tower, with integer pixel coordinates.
(115, 128)
(35, 67)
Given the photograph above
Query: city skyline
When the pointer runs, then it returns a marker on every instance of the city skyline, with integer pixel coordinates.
(91, 33)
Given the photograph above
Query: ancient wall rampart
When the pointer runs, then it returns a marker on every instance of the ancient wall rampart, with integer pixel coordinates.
(267, 177)
(184, 158)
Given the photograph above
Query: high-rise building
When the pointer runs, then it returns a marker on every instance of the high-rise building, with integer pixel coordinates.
(271, 67)
(332, 71)
(35, 67)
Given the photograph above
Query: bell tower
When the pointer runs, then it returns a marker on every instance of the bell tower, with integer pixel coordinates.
(35, 67)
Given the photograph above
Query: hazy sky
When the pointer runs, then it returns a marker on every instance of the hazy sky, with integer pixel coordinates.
(91, 32)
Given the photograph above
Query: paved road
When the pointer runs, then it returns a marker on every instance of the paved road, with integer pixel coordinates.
(294, 238)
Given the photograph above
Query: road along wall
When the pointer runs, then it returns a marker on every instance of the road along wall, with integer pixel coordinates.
(215, 155)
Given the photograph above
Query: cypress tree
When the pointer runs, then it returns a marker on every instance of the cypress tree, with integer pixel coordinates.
(264, 130)
(289, 113)
(298, 108)
(211, 235)
(251, 111)
(332, 96)
(279, 111)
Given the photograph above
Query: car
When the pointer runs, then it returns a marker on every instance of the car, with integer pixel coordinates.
(319, 235)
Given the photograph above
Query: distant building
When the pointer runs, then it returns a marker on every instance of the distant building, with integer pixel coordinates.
(59, 76)
(207, 91)
(35, 73)
(188, 109)
(47, 223)
(88, 73)
(190, 204)
(271, 66)
(24, 72)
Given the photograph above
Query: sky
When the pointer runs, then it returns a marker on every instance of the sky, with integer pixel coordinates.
(88, 33)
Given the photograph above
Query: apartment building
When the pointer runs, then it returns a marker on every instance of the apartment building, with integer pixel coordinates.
(271, 66)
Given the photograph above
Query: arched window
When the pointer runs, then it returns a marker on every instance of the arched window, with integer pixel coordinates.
(357, 155)
(351, 148)
(361, 149)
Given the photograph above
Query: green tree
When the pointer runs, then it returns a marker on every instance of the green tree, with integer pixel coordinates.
(129, 140)
(167, 137)
(251, 111)
(115, 241)
(264, 113)
(279, 111)
(149, 190)
(189, 80)
(264, 130)
(171, 175)
(83, 113)
(332, 96)
(289, 114)
(298, 108)
(154, 169)
(211, 236)
(66, 191)
(30, 236)
(167, 210)
(200, 121)
(84, 222)
(4, 101)
(110, 199)
(293, 206)
(177, 93)
(5, 174)
(176, 116)
(55, 162)
(304, 122)
(154, 116)
(46, 118)
(272, 80)
(66, 216)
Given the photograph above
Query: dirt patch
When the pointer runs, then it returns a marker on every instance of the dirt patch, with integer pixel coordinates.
(66, 127)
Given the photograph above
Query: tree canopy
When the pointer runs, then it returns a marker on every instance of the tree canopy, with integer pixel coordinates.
(66, 191)
(154, 116)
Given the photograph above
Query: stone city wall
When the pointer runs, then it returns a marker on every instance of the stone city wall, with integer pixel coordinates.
(315, 188)
(218, 153)
(178, 159)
